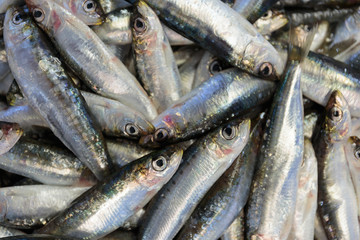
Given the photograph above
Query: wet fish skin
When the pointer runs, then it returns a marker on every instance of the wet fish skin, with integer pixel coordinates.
(154, 58)
(275, 181)
(188, 72)
(38, 237)
(5, 4)
(7, 232)
(222, 98)
(10, 133)
(116, 29)
(270, 22)
(84, 50)
(50, 92)
(111, 5)
(33, 205)
(226, 198)
(210, 24)
(253, 10)
(236, 230)
(306, 199)
(203, 163)
(110, 203)
(88, 11)
(4, 66)
(336, 198)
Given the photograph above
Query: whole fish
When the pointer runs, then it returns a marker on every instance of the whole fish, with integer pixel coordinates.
(236, 230)
(113, 117)
(203, 163)
(275, 183)
(154, 58)
(210, 24)
(88, 11)
(110, 203)
(224, 201)
(337, 206)
(84, 50)
(352, 151)
(306, 199)
(50, 92)
(10, 133)
(32, 206)
(223, 97)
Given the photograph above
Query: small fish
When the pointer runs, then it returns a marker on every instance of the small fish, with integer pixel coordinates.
(203, 163)
(211, 25)
(337, 205)
(222, 98)
(111, 202)
(32, 206)
(154, 58)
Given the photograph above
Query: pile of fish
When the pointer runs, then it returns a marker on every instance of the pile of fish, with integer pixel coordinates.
(175, 119)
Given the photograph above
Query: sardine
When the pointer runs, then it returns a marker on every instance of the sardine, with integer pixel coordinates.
(32, 206)
(50, 92)
(223, 97)
(203, 163)
(84, 50)
(110, 203)
(337, 206)
(211, 24)
(154, 58)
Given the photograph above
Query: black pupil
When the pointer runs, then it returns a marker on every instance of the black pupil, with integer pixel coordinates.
(266, 71)
(357, 154)
(18, 17)
(266, 15)
(336, 113)
(160, 135)
(160, 163)
(216, 67)
(37, 14)
(228, 131)
(139, 24)
(132, 130)
(90, 5)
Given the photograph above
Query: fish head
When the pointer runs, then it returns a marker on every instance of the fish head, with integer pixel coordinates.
(88, 11)
(353, 151)
(338, 119)
(18, 26)
(271, 21)
(262, 59)
(10, 133)
(145, 25)
(137, 127)
(161, 166)
(230, 139)
(47, 14)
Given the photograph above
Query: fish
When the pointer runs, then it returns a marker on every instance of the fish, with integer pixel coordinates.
(275, 180)
(226, 198)
(270, 22)
(306, 197)
(239, 44)
(10, 134)
(155, 62)
(88, 11)
(27, 207)
(84, 50)
(111, 202)
(203, 163)
(236, 230)
(7, 232)
(111, 5)
(252, 10)
(50, 92)
(337, 206)
(352, 153)
(222, 98)
(188, 72)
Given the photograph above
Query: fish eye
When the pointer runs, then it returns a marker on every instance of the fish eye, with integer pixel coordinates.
(336, 114)
(161, 135)
(17, 18)
(139, 25)
(159, 164)
(131, 129)
(268, 14)
(215, 67)
(266, 69)
(228, 132)
(89, 6)
(38, 14)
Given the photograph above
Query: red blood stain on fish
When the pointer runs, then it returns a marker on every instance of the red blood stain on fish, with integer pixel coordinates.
(57, 20)
(72, 6)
